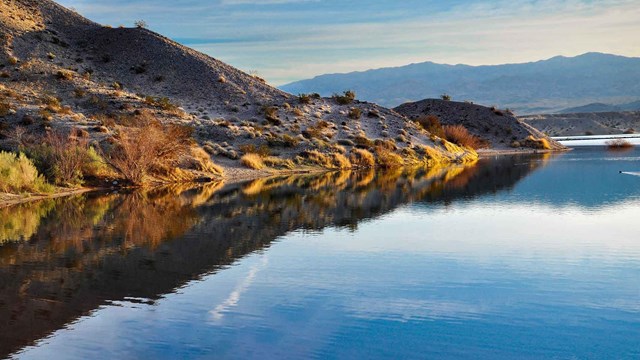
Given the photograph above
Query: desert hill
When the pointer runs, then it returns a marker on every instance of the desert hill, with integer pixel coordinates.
(586, 123)
(499, 127)
(62, 71)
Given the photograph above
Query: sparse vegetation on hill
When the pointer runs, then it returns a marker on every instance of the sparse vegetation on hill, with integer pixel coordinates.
(128, 109)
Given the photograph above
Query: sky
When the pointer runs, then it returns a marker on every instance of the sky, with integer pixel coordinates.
(288, 40)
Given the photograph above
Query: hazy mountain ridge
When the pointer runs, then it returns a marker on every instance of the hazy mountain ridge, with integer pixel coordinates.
(541, 86)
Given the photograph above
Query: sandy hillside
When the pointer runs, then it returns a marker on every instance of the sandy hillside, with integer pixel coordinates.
(60, 70)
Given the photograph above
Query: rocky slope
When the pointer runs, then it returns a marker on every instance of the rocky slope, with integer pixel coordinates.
(586, 123)
(60, 70)
(499, 127)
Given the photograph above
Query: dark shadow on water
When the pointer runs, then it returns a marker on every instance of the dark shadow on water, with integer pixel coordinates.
(61, 259)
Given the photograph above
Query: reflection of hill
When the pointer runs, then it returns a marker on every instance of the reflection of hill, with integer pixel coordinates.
(90, 249)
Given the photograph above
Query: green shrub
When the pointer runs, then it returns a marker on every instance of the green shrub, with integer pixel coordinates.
(19, 174)
(346, 98)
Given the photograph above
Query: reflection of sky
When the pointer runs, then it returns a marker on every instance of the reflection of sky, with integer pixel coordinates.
(508, 275)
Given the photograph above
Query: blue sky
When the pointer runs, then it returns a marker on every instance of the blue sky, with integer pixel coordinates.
(287, 40)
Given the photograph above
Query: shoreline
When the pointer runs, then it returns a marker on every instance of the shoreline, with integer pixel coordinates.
(234, 175)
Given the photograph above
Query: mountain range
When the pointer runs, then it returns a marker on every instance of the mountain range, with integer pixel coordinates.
(545, 86)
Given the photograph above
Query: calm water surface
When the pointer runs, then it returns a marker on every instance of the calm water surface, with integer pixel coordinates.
(518, 257)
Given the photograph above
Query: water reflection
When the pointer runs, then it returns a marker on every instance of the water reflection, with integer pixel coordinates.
(63, 258)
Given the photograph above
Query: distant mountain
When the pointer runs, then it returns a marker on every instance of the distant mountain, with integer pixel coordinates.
(600, 107)
(537, 87)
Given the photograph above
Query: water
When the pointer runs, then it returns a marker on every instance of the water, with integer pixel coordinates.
(518, 257)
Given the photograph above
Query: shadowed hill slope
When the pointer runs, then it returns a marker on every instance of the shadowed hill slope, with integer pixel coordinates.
(500, 127)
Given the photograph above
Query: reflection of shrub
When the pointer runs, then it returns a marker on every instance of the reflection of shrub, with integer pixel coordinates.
(252, 161)
(362, 158)
(458, 134)
(18, 174)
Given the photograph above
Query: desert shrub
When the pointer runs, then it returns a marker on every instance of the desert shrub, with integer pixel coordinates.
(151, 147)
(619, 144)
(13, 60)
(431, 123)
(316, 130)
(459, 135)
(271, 114)
(61, 156)
(387, 159)
(355, 113)
(308, 98)
(385, 144)
(5, 108)
(252, 161)
(161, 102)
(346, 98)
(140, 24)
(18, 174)
(630, 131)
(262, 150)
(200, 160)
(445, 97)
(64, 75)
(51, 56)
(361, 158)
(79, 92)
(297, 112)
(363, 141)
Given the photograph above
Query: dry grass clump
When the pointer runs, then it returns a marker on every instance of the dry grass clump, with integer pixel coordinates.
(201, 161)
(64, 75)
(619, 144)
(355, 113)
(361, 158)
(262, 150)
(363, 141)
(431, 123)
(387, 159)
(5, 108)
(278, 163)
(252, 161)
(18, 174)
(458, 134)
(340, 161)
(316, 130)
(308, 98)
(161, 102)
(535, 143)
(346, 98)
(271, 115)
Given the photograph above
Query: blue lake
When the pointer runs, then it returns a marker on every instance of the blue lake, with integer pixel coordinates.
(516, 257)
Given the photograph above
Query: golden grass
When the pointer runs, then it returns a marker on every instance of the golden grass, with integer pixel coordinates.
(458, 134)
(388, 159)
(361, 158)
(252, 161)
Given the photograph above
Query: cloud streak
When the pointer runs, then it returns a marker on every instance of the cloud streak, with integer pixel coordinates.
(286, 40)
